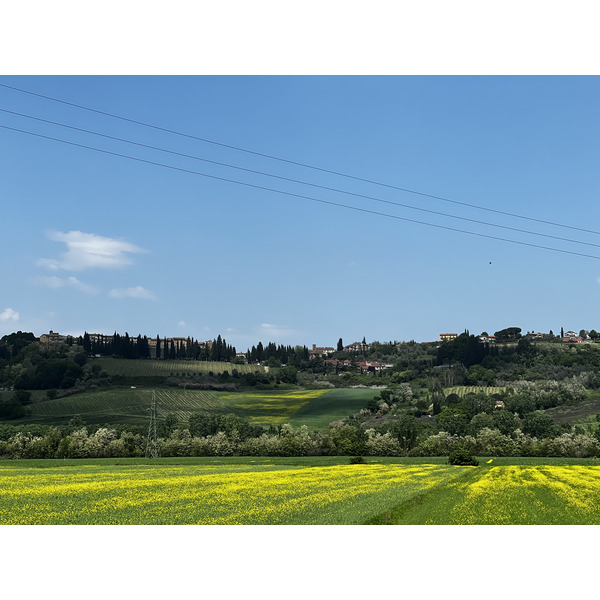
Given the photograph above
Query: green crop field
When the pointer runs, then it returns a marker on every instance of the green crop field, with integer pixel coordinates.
(309, 490)
(165, 368)
(463, 390)
(125, 405)
(315, 408)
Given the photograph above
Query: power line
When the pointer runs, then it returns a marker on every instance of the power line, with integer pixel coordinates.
(331, 189)
(152, 445)
(299, 164)
(338, 204)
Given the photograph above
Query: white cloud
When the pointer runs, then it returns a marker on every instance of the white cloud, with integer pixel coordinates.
(55, 282)
(8, 314)
(181, 323)
(132, 292)
(90, 251)
(274, 332)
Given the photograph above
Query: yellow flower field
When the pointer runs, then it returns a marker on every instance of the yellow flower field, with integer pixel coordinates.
(210, 494)
(296, 491)
(517, 494)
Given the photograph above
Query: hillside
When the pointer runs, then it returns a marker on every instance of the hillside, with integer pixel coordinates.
(520, 397)
(314, 408)
(166, 368)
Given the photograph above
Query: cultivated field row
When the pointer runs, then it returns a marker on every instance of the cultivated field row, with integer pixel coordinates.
(463, 390)
(150, 368)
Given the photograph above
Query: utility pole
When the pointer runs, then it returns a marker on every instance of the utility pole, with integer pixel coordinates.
(152, 447)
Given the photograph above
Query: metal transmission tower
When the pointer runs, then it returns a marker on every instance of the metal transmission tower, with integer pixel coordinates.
(152, 447)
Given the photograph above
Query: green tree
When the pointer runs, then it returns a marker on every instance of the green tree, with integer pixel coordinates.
(538, 424)
(505, 421)
(169, 424)
(406, 431)
(525, 348)
(520, 403)
(348, 440)
(453, 399)
(478, 375)
(288, 374)
(453, 421)
(480, 421)
(508, 334)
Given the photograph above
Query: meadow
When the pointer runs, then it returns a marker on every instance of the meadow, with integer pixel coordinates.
(309, 490)
(314, 408)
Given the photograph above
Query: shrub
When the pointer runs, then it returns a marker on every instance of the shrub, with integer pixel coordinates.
(462, 456)
(357, 460)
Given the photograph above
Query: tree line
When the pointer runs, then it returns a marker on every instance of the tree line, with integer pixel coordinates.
(126, 346)
(230, 435)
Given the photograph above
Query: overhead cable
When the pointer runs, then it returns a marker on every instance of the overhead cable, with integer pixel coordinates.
(299, 164)
(259, 187)
(323, 187)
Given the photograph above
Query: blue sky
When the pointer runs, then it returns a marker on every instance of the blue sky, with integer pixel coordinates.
(97, 242)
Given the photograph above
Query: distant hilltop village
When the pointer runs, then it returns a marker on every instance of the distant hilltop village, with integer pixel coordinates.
(157, 347)
(188, 348)
(514, 333)
(343, 357)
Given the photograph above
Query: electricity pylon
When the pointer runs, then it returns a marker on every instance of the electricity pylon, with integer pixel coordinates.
(152, 447)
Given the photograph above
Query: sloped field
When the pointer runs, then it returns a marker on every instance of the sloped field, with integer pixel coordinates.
(166, 368)
(127, 405)
(315, 408)
(463, 390)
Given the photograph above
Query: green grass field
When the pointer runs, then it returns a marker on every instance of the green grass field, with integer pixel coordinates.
(314, 408)
(165, 368)
(315, 490)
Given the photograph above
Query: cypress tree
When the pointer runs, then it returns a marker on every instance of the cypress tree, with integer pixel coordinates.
(87, 345)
